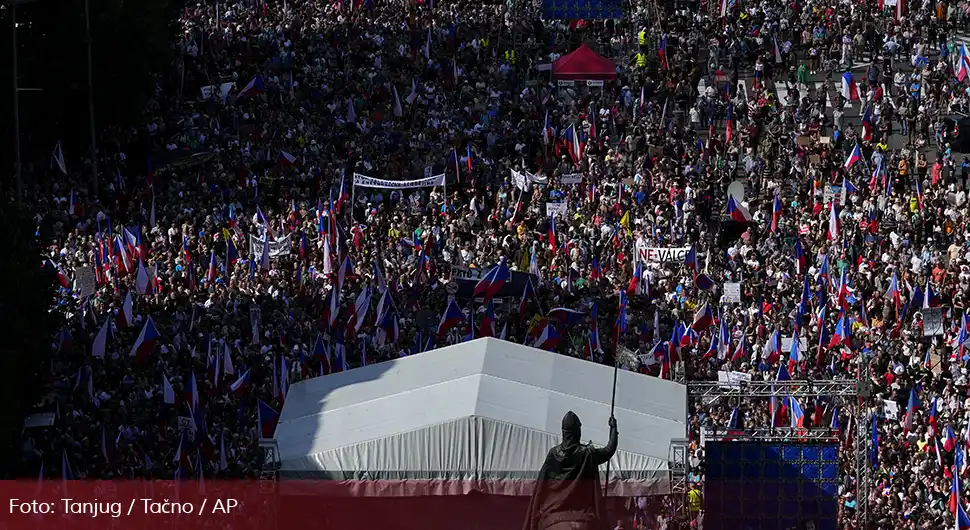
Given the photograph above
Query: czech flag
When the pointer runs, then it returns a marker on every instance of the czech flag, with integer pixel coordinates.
(867, 124)
(797, 414)
(493, 281)
(690, 259)
(801, 262)
(854, 156)
(911, 410)
(636, 279)
(775, 212)
(849, 89)
(833, 233)
(843, 333)
(963, 65)
(736, 212)
(240, 384)
(145, 343)
(268, 418)
(662, 52)
(286, 159)
(703, 318)
(548, 339)
(552, 234)
(254, 87)
(794, 355)
(451, 318)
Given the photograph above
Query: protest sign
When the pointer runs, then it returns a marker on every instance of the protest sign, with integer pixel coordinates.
(732, 293)
(932, 321)
(647, 254)
(277, 247)
(370, 182)
(85, 282)
(556, 209)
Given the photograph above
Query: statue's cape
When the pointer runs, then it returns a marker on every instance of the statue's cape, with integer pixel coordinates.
(568, 488)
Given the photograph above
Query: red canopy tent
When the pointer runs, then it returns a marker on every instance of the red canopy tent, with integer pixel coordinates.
(583, 64)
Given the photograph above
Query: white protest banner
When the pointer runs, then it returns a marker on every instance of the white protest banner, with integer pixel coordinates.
(572, 178)
(647, 254)
(222, 90)
(464, 273)
(786, 344)
(85, 282)
(537, 179)
(732, 293)
(370, 182)
(890, 409)
(932, 321)
(732, 379)
(554, 209)
(519, 180)
(277, 247)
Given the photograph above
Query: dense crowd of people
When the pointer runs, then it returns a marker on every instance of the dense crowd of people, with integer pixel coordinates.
(195, 292)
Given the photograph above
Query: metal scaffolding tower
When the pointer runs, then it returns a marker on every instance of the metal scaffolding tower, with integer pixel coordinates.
(853, 393)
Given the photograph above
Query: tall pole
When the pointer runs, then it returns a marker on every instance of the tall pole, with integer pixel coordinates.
(616, 368)
(16, 102)
(94, 141)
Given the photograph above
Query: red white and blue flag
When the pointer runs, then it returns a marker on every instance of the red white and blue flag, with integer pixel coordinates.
(849, 89)
(854, 156)
(493, 281)
(145, 343)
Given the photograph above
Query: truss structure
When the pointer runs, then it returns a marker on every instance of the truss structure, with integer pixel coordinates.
(853, 393)
(678, 465)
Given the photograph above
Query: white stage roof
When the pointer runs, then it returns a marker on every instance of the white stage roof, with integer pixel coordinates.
(477, 416)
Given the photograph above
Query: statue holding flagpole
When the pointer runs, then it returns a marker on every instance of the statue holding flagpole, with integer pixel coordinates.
(567, 494)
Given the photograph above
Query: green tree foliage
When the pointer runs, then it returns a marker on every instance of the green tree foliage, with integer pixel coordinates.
(27, 327)
(132, 42)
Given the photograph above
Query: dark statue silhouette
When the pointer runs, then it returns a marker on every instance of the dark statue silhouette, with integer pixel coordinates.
(567, 494)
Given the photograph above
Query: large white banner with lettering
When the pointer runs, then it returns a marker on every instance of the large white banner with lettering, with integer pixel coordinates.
(647, 254)
(371, 182)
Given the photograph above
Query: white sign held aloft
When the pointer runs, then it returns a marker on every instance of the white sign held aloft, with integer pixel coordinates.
(732, 379)
(370, 182)
(572, 178)
(277, 247)
(556, 209)
(85, 282)
(932, 321)
(647, 254)
(732, 293)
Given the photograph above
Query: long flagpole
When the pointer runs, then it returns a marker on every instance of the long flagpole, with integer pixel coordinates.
(616, 368)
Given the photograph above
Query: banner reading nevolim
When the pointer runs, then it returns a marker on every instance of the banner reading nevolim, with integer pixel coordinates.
(371, 182)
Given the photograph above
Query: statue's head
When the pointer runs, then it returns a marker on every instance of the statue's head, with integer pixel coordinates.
(572, 429)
